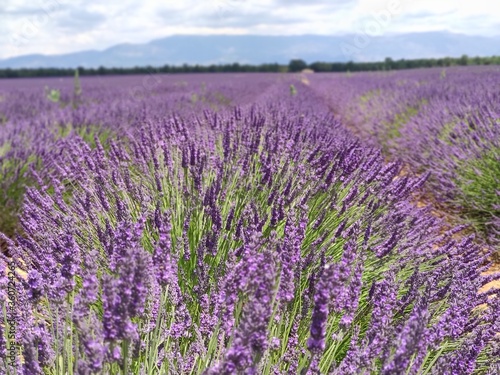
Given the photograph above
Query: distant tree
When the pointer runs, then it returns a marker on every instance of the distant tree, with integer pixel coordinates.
(464, 60)
(294, 66)
(321, 67)
(297, 65)
(388, 63)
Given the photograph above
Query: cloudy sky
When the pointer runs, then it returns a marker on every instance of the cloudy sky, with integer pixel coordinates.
(60, 26)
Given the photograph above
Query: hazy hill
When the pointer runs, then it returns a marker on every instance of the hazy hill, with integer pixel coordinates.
(252, 49)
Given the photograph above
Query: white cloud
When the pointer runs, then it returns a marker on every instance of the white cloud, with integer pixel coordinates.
(60, 26)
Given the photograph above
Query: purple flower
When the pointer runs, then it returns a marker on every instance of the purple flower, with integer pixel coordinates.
(162, 260)
(251, 336)
(124, 296)
(37, 350)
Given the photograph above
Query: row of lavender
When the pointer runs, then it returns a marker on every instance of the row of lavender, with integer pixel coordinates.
(446, 122)
(170, 232)
(31, 123)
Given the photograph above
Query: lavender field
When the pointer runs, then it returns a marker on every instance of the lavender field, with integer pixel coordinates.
(251, 223)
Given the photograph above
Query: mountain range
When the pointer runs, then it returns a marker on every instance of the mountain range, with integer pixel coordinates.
(259, 49)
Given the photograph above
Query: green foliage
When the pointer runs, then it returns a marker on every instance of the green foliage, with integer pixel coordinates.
(53, 95)
(4, 149)
(478, 181)
(297, 65)
(293, 90)
(446, 131)
(13, 182)
(392, 129)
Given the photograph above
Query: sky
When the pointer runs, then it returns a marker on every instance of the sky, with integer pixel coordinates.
(63, 26)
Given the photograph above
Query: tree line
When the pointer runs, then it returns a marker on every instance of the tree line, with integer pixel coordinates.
(295, 65)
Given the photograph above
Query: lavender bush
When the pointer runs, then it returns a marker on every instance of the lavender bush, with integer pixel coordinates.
(445, 124)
